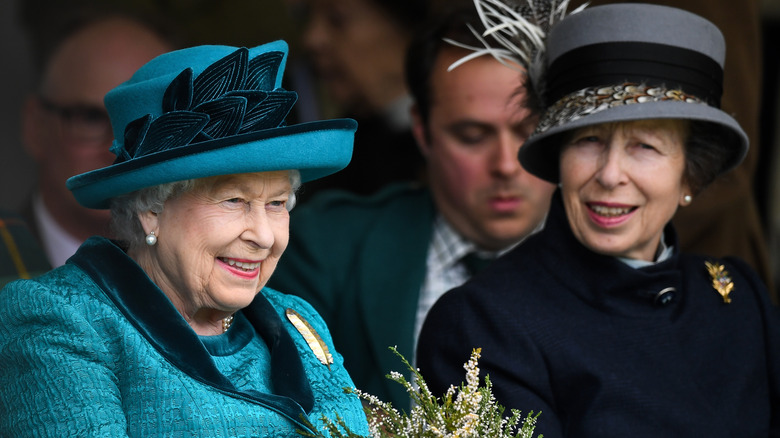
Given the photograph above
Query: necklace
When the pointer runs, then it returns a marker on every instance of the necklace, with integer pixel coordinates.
(226, 323)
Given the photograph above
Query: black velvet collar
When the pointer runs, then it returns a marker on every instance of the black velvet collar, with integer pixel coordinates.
(155, 317)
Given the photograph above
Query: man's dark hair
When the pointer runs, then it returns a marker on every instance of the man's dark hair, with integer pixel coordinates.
(428, 43)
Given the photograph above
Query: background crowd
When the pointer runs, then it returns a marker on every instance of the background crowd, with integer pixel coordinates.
(747, 193)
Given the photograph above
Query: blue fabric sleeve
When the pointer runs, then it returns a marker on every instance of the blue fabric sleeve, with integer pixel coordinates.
(55, 371)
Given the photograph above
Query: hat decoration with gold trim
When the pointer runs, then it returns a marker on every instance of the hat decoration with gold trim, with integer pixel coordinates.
(611, 63)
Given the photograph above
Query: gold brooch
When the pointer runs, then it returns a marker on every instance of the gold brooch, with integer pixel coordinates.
(721, 281)
(311, 337)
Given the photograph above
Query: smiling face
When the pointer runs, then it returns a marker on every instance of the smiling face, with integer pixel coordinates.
(475, 129)
(218, 243)
(622, 183)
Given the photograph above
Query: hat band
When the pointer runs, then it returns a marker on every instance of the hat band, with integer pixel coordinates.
(658, 65)
(596, 99)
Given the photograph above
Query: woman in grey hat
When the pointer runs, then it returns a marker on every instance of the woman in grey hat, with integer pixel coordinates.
(598, 321)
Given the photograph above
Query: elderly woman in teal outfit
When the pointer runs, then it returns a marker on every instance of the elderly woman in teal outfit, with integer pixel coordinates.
(163, 332)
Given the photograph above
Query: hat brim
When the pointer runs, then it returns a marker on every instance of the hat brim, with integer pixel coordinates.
(316, 149)
(540, 154)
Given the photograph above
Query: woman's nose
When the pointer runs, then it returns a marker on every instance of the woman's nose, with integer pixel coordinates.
(258, 230)
(611, 171)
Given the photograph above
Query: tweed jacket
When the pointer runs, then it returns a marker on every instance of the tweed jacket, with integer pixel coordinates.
(361, 261)
(94, 348)
(606, 350)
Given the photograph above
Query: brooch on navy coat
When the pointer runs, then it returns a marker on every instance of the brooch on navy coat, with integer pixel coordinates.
(721, 281)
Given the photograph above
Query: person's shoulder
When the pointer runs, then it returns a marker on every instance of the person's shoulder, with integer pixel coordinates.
(66, 281)
(342, 212)
(341, 201)
(21, 255)
(283, 301)
(728, 270)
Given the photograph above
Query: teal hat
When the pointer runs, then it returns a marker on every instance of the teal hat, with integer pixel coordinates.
(207, 111)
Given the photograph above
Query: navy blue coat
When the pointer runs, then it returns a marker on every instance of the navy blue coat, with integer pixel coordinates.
(596, 346)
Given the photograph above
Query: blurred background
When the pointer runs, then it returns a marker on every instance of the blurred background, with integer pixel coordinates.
(252, 22)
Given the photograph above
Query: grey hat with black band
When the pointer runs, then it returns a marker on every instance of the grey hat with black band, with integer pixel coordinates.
(624, 62)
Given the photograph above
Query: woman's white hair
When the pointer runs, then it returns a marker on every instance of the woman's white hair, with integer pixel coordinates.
(125, 209)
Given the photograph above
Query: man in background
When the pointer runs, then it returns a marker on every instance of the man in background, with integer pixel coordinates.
(65, 127)
(373, 266)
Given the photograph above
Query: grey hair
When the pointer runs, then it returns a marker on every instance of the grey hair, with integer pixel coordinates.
(125, 225)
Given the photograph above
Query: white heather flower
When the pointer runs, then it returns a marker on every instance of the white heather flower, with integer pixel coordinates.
(468, 411)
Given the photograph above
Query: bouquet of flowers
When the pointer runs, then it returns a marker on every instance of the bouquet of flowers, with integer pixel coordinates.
(468, 411)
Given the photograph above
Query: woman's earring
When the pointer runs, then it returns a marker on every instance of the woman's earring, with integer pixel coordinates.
(686, 200)
(151, 239)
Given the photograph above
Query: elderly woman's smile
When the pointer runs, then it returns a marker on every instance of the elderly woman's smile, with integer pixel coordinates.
(241, 267)
(219, 243)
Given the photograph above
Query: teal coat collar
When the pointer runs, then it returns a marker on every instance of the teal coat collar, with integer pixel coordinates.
(155, 317)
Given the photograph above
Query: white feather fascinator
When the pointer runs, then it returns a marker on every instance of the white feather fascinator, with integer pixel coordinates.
(514, 33)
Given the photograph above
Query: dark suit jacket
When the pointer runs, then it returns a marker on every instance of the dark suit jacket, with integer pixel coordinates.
(360, 261)
(20, 254)
(595, 345)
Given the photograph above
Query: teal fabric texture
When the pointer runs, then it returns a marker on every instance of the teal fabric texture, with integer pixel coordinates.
(94, 348)
(361, 261)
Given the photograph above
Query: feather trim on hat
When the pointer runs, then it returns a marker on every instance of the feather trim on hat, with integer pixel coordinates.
(515, 34)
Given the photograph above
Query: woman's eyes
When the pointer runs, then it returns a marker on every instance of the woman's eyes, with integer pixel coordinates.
(594, 139)
(233, 202)
(274, 204)
(587, 139)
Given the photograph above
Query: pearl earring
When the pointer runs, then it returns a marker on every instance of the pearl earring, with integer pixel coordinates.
(687, 199)
(151, 239)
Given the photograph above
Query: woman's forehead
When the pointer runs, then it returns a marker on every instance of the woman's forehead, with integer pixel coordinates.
(678, 128)
(246, 181)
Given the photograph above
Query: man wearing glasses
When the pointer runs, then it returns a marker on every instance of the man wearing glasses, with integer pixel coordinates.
(65, 127)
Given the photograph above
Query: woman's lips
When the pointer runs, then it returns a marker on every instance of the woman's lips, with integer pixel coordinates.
(608, 214)
(240, 267)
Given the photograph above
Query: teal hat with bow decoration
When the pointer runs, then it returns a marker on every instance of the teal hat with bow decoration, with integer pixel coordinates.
(207, 111)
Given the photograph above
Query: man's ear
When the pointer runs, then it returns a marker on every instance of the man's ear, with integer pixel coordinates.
(419, 131)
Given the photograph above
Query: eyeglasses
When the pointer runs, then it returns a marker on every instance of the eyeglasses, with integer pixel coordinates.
(80, 122)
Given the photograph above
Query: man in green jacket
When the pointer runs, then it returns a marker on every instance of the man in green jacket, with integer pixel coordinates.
(373, 266)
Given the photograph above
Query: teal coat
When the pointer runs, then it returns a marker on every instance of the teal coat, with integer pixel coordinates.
(360, 261)
(94, 348)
